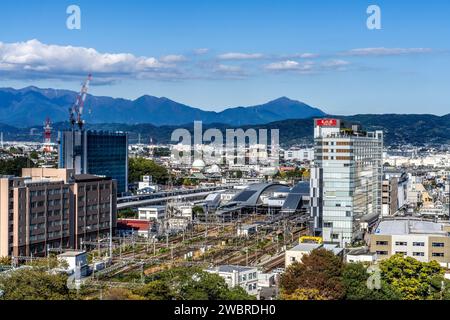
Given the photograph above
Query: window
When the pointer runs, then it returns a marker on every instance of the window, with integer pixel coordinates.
(437, 244)
(328, 224)
(401, 243)
(419, 244)
(382, 253)
(335, 236)
(400, 252)
(437, 254)
(382, 243)
(418, 254)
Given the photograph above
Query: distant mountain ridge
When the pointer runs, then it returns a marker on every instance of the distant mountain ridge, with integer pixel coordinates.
(399, 129)
(30, 106)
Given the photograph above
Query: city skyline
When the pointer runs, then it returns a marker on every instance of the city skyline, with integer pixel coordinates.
(215, 56)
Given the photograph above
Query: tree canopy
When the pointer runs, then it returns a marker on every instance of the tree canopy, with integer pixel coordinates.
(354, 277)
(139, 167)
(321, 270)
(14, 166)
(34, 284)
(321, 275)
(411, 278)
(190, 283)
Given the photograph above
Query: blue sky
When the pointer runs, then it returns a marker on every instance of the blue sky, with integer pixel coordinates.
(216, 54)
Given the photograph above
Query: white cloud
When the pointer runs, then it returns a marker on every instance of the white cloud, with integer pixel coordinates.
(303, 56)
(228, 69)
(307, 67)
(386, 51)
(35, 57)
(201, 51)
(240, 56)
(290, 65)
(335, 63)
(173, 58)
(283, 65)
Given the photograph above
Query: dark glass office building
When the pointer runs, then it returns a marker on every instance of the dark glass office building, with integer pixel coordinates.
(96, 152)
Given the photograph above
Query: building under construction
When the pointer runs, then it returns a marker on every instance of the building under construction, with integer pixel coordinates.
(93, 152)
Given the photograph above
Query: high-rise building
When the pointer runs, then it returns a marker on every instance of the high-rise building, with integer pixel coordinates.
(54, 209)
(96, 152)
(346, 180)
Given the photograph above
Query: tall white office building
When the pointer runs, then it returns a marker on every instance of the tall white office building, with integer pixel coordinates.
(346, 180)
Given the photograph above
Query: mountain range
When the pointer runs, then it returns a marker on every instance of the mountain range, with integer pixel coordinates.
(22, 113)
(399, 129)
(30, 106)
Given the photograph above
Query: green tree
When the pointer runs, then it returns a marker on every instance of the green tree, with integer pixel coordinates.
(303, 294)
(198, 210)
(410, 277)
(190, 283)
(161, 152)
(34, 284)
(354, 277)
(139, 167)
(121, 294)
(34, 155)
(126, 213)
(5, 261)
(320, 270)
(156, 290)
(14, 166)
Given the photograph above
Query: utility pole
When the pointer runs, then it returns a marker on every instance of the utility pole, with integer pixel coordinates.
(110, 227)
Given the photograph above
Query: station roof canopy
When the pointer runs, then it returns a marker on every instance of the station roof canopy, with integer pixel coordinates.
(295, 196)
(251, 195)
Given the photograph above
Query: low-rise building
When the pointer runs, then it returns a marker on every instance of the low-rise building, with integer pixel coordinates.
(412, 237)
(361, 255)
(73, 260)
(296, 253)
(245, 277)
(157, 213)
(140, 227)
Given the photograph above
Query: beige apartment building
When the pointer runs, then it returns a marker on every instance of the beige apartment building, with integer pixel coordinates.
(53, 209)
(420, 239)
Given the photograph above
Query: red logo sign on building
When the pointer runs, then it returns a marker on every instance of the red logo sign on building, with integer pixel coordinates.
(326, 122)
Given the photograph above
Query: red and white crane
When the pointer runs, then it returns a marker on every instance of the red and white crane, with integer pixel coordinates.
(77, 108)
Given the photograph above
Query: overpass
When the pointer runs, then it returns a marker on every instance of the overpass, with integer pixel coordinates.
(163, 197)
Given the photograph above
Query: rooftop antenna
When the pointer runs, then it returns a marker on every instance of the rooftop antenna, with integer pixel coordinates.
(47, 136)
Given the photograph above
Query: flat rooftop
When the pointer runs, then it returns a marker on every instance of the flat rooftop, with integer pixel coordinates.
(360, 252)
(231, 268)
(89, 177)
(407, 226)
(306, 247)
(69, 254)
